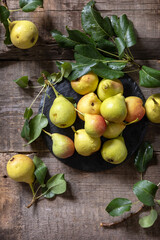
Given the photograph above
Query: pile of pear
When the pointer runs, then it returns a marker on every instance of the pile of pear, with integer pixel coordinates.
(105, 112)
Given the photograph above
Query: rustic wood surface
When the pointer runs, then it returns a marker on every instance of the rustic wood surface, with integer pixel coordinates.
(76, 214)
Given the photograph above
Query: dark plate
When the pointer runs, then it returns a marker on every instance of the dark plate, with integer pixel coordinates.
(133, 134)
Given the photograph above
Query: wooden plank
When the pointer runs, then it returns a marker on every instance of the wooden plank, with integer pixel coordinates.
(14, 100)
(77, 213)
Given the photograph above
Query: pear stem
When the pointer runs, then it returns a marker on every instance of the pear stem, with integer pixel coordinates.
(32, 189)
(154, 100)
(48, 83)
(79, 112)
(134, 121)
(74, 130)
(49, 134)
(37, 96)
(15, 10)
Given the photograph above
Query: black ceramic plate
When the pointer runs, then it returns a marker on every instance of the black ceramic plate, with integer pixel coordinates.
(133, 134)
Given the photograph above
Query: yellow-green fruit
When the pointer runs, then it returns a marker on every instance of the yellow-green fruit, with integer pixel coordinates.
(23, 34)
(62, 112)
(152, 107)
(113, 130)
(85, 84)
(84, 144)
(114, 109)
(114, 151)
(21, 168)
(108, 88)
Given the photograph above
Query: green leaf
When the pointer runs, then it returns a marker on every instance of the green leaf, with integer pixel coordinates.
(104, 71)
(40, 171)
(22, 82)
(79, 37)
(49, 194)
(25, 133)
(56, 184)
(106, 45)
(120, 46)
(143, 157)
(94, 24)
(158, 201)
(4, 15)
(149, 77)
(28, 113)
(145, 192)
(7, 40)
(148, 221)
(66, 69)
(117, 65)
(89, 52)
(118, 206)
(30, 5)
(36, 125)
(41, 79)
(62, 40)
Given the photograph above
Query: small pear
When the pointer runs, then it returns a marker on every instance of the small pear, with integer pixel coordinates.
(135, 109)
(113, 109)
(63, 146)
(85, 84)
(23, 34)
(84, 144)
(89, 104)
(113, 130)
(108, 88)
(114, 151)
(21, 168)
(152, 107)
(62, 113)
(95, 125)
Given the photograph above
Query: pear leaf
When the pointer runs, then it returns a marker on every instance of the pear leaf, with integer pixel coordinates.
(25, 133)
(149, 220)
(158, 201)
(4, 15)
(48, 194)
(28, 113)
(56, 184)
(36, 125)
(149, 77)
(22, 82)
(118, 206)
(41, 79)
(62, 40)
(145, 192)
(30, 5)
(41, 170)
(66, 69)
(79, 37)
(143, 157)
(120, 46)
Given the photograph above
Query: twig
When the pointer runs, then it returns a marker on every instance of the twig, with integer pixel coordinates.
(5, 3)
(103, 224)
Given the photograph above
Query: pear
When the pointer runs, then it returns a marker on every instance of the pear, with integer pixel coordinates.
(21, 169)
(62, 112)
(95, 125)
(63, 146)
(84, 144)
(113, 130)
(85, 84)
(114, 151)
(152, 107)
(113, 109)
(135, 109)
(23, 34)
(89, 104)
(108, 88)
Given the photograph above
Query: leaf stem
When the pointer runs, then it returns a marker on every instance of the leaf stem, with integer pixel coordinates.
(37, 96)
(132, 70)
(15, 10)
(101, 50)
(104, 224)
(32, 189)
(141, 176)
(130, 54)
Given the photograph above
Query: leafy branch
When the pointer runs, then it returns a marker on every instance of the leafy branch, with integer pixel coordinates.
(144, 190)
(104, 47)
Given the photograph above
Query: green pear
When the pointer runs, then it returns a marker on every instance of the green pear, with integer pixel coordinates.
(23, 34)
(152, 107)
(114, 151)
(21, 169)
(114, 109)
(113, 130)
(108, 88)
(63, 146)
(84, 144)
(95, 125)
(62, 113)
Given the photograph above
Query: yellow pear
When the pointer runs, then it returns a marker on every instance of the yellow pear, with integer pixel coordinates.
(21, 168)
(108, 88)
(152, 107)
(84, 144)
(113, 130)
(85, 84)
(23, 34)
(114, 151)
(89, 104)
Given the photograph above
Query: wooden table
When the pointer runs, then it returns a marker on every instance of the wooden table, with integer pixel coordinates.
(77, 213)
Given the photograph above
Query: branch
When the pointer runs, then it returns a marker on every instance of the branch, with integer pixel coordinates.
(103, 224)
